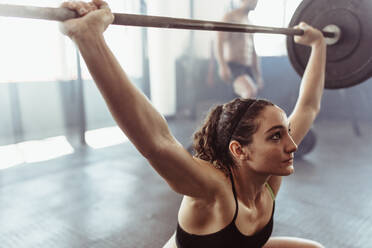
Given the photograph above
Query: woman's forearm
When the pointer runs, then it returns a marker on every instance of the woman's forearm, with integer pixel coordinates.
(220, 50)
(133, 112)
(312, 84)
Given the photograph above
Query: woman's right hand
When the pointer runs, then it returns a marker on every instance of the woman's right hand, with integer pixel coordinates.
(311, 36)
(94, 17)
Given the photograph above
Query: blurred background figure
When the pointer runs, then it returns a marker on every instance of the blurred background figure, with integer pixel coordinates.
(238, 62)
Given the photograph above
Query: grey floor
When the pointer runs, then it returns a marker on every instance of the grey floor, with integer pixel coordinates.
(112, 198)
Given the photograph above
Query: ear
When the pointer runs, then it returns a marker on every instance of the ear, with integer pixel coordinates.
(237, 150)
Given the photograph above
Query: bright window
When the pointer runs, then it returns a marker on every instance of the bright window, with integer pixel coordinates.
(35, 50)
(273, 13)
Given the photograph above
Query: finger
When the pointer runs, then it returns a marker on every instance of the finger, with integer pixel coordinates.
(82, 7)
(101, 4)
(92, 6)
(303, 26)
(70, 5)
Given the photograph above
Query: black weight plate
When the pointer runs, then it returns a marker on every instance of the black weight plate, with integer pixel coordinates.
(349, 61)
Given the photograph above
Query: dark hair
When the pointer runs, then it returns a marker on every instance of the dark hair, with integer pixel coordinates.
(235, 120)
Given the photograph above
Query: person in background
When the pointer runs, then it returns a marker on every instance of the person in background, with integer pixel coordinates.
(238, 62)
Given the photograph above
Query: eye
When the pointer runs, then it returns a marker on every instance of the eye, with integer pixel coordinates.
(276, 136)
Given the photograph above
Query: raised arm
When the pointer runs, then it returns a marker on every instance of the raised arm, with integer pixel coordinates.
(256, 66)
(311, 90)
(309, 100)
(140, 121)
(224, 70)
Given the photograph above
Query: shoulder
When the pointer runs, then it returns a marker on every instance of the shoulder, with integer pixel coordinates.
(215, 174)
(217, 178)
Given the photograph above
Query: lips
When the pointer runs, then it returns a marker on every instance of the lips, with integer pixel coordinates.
(288, 160)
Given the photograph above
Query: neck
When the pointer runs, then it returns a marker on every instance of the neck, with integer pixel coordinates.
(249, 185)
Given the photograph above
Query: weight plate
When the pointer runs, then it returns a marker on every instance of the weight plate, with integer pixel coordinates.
(349, 61)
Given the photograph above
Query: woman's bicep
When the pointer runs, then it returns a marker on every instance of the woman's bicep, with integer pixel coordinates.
(301, 120)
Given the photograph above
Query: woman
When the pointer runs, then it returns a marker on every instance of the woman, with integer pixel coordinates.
(242, 151)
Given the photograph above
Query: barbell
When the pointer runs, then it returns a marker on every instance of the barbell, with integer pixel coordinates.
(344, 23)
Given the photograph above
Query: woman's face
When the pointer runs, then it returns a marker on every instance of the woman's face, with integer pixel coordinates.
(272, 148)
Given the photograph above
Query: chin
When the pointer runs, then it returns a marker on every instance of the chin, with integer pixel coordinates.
(287, 171)
(283, 172)
(290, 170)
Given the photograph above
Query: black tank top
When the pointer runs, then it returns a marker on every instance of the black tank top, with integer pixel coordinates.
(228, 237)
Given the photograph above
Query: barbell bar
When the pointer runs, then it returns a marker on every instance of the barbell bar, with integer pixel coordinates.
(346, 25)
(63, 14)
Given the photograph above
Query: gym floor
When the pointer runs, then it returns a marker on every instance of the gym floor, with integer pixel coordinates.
(112, 198)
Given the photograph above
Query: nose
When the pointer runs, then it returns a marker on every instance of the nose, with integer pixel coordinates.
(292, 146)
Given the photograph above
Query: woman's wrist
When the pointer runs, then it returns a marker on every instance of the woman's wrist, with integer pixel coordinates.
(320, 43)
(86, 35)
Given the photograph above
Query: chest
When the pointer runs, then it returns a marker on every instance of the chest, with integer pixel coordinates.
(200, 218)
(250, 221)
(240, 39)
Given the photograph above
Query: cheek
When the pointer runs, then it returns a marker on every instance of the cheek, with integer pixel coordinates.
(273, 157)
(270, 155)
